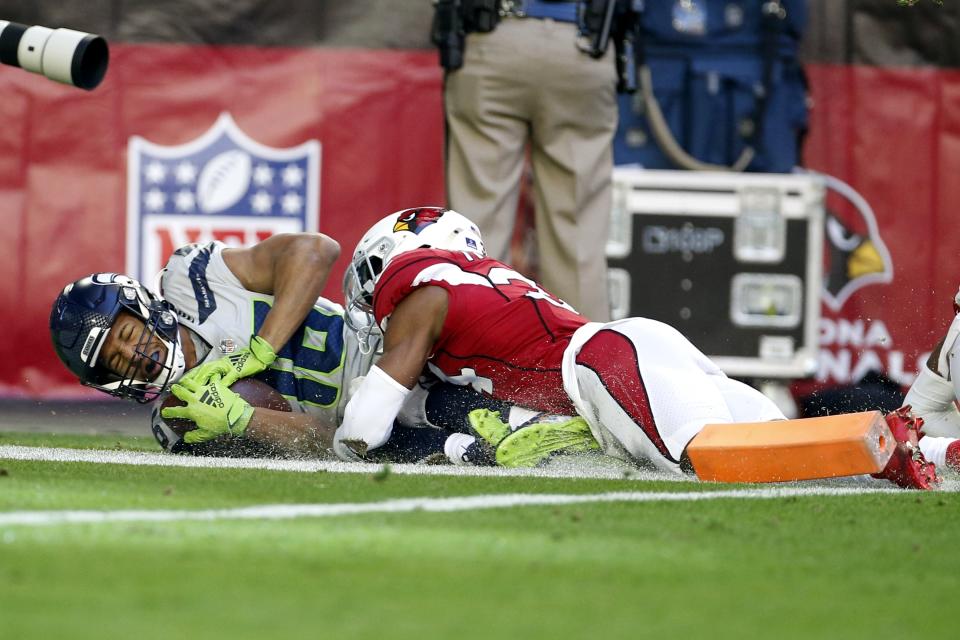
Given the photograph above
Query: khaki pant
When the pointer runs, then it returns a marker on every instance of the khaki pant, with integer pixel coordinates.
(527, 83)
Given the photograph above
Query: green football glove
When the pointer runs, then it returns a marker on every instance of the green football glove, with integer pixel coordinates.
(533, 442)
(214, 408)
(246, 362)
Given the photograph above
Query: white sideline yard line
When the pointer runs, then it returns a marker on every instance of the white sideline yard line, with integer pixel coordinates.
(572, 467)
(596, 467)
(434, 505)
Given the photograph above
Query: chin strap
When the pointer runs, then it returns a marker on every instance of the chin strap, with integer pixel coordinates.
(368, 338)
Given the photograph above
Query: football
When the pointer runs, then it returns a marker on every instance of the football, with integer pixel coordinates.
(258, 394)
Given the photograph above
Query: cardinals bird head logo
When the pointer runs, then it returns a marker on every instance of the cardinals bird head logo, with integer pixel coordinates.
(854, 253)
(416, 220)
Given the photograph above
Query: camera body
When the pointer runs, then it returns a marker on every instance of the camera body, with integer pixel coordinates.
(63, 55)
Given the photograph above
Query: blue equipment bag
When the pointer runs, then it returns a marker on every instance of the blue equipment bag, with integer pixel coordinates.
(726, 77)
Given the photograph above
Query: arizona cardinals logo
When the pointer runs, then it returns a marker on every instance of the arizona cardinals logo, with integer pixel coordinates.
(854, 254)
(416, 220)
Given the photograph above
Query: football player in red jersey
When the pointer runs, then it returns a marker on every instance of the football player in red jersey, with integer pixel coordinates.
(642, 387)
(644, 390)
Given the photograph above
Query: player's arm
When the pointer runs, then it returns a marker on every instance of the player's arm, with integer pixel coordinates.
(216, 410)
(934, 393)
(293, 267)
(413, 330)
(294, 432)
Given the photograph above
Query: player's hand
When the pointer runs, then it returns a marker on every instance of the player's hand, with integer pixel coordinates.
(246, 362)
(214, 408)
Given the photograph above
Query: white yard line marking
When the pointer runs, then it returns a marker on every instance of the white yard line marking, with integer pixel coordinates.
(291, 511)
(590, 467)
(593, 467)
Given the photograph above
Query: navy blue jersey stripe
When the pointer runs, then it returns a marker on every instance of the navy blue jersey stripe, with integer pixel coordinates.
(206, 300)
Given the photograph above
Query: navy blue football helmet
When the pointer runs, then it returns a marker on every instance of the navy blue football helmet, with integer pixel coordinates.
(80, 322)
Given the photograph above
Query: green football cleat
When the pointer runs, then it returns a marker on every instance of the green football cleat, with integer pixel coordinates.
(488, 425)
(534, 441)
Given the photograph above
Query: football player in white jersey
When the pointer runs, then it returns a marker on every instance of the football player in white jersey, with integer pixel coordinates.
(933, 396)
(221, 313)
(230, 320)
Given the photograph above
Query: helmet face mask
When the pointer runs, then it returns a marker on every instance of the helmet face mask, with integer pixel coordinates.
(82, 319)
(359, 279)
(366, 268)
(393, 235)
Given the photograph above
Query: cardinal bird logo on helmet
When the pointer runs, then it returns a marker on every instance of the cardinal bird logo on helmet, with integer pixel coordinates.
(854, 253)
(416, 220)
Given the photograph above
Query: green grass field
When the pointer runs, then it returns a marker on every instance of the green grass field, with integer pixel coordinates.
(874, 565)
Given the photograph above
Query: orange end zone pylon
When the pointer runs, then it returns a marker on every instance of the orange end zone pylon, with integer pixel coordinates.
(783, 450)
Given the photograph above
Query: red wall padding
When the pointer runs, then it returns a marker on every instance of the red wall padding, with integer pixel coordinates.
(892, 133)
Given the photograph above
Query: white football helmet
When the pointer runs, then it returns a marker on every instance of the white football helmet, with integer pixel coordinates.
(397, 233)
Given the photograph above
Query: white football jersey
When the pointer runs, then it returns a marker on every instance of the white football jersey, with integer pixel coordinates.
(312, 370)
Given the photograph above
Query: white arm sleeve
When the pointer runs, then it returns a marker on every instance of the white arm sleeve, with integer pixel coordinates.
(953, 362)
(370, 413)
(933, 394)
(948, 352)
(932, 398)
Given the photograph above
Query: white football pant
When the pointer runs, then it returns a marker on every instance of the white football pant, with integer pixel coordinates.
(646, 391)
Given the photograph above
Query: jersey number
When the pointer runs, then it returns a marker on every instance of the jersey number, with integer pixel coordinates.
(503, 276)
(307, 366)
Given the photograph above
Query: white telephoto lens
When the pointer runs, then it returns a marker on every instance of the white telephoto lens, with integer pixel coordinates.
(30, 50)
(63, 55)
(58, 55)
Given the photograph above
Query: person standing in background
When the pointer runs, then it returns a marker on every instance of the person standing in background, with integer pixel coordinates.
(518, 79)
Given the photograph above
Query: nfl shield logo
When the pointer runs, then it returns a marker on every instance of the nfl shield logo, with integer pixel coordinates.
(221, 186)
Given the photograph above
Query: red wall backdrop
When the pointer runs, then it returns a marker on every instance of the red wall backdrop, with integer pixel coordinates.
(894, 135)
(63, 172)
(885, 118)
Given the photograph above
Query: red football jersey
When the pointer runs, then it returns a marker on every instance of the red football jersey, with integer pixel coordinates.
(503, 334)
